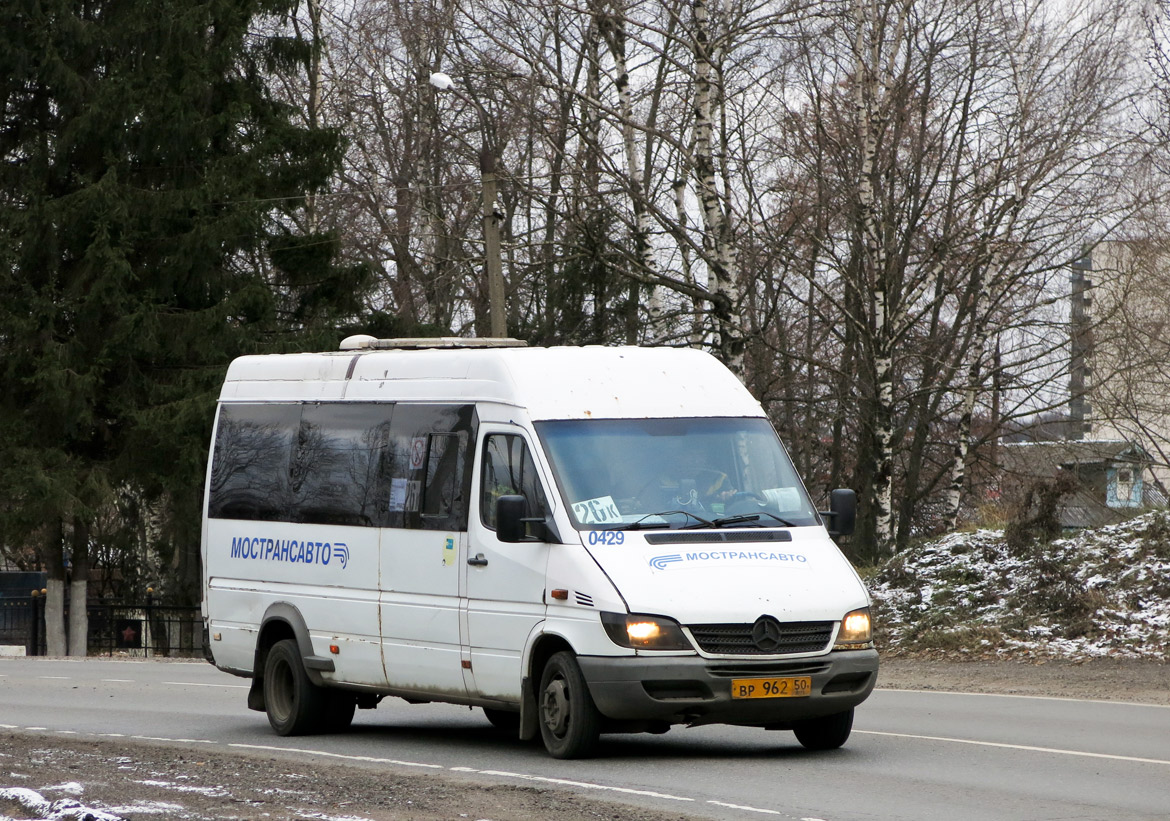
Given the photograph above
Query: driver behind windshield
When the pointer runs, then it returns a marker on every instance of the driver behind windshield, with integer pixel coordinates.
(690, 483)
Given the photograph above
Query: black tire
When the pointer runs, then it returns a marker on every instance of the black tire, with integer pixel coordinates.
(504, 720)
(338, 713)
(293, 703)
(826, 732)
(569, 721)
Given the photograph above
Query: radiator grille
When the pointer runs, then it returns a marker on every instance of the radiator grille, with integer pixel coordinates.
(736, 639)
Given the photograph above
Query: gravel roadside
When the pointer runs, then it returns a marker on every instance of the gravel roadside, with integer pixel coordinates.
(1108, 679)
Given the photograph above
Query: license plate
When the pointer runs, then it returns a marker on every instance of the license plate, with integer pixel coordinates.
(790, 687)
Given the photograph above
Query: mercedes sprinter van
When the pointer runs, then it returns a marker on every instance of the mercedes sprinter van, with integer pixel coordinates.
(577, 540)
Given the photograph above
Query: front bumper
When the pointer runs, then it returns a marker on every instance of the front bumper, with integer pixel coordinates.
(693, 690)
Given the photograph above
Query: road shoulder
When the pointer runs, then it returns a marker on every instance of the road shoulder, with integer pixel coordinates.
(1107, 679)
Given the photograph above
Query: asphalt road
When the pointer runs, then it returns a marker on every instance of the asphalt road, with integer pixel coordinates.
(913, 755)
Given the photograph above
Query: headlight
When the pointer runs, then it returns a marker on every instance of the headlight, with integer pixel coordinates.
(644, 632)
(856, 631)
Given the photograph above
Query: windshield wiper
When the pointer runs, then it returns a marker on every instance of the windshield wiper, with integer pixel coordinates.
(741, 519)
(641, 524)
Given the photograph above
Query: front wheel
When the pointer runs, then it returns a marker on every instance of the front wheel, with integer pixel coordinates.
(826, 732)
(293, 703)
(569, 721)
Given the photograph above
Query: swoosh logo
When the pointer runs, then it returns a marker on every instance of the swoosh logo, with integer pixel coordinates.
(662, 562)
(341, 550)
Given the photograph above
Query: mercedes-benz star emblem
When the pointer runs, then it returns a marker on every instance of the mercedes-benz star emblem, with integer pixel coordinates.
(766, 634)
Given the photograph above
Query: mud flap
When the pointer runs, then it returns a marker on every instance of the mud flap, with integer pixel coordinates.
(528, 726)
(256, 694)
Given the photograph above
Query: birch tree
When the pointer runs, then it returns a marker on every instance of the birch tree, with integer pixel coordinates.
(966, 154)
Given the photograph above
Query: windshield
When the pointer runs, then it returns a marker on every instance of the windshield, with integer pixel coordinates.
(633, 473)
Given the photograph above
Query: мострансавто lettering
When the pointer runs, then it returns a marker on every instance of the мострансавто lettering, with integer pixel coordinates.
(750, 555)
(292, 551)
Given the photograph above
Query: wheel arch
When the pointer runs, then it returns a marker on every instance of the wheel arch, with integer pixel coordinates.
(281, 621)
(543, 648)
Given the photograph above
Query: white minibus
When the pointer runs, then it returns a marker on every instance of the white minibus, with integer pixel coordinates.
(578, 540)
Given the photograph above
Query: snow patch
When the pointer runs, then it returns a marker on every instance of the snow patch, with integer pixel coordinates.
(40, 807)
(210, 792)
(149, 808)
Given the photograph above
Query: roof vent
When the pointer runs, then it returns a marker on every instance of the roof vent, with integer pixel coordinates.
(365, 342)
(357, 342)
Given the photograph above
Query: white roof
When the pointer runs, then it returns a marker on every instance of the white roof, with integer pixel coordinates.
(550, 383)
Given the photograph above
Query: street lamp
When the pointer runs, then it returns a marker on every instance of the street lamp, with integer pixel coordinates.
(491, 220)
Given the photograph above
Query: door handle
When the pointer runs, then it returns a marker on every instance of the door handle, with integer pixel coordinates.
(477, 560)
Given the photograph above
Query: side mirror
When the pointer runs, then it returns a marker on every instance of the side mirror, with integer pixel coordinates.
(512, 524)
(510, 518)
(842, 512)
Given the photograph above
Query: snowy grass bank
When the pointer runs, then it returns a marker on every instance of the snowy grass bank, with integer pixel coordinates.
(1099, 593)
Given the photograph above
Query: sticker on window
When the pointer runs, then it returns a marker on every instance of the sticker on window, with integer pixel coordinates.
(600, 511)
(784, 498)
(397, 495)
(418, 452)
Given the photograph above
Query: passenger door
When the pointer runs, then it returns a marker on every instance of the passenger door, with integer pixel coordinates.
(504, 582)
(428, 473)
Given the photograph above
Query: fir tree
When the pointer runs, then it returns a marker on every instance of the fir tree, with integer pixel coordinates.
(148, 190)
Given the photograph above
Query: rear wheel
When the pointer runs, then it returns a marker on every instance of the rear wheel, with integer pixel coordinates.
(826, 732)
(293, 703)
(569, 721)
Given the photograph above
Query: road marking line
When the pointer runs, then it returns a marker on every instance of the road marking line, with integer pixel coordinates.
(200, 684)
(497, 773)
(743, 808)
(117, 681)
(567, 783)
(1021, 695)
(365, 758)
(56, 678)
(1023, 747)
(9, 726)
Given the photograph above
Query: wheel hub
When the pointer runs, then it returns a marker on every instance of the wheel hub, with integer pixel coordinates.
(555, 706)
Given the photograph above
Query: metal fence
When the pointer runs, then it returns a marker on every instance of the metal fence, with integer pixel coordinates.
(143, 630)
(19, 622)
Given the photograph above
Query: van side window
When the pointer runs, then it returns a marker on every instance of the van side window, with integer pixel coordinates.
(334, 471)
(427, 470)
(365, 464)
(508, 469)
(250, 465)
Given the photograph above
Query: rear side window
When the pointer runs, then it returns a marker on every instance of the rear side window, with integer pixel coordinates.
(250, 469)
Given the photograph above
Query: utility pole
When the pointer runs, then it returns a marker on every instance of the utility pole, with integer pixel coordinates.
(492, 260)
(491, 244)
